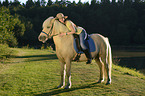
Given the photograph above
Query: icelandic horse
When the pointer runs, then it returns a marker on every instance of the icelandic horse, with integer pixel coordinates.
(65, 50)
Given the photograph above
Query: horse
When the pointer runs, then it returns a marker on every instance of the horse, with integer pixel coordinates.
(65, 50)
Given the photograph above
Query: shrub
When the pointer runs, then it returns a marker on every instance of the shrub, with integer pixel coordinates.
(5, 51)
(10, 27)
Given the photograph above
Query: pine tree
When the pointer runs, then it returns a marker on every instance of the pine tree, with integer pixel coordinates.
(93, 2)
(29, 4)
(56, 2)
(79, 3)
(49, 3)
(15, 3)
(6, 3)
(139, 37)
(43, 2)
(37, 4)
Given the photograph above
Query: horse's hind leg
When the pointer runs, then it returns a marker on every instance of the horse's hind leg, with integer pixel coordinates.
(107, 69)
(101, 66)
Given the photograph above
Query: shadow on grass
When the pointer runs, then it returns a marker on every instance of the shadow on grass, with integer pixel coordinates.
(47, 56)
(39, 57)
(30, 58)
(56, 91)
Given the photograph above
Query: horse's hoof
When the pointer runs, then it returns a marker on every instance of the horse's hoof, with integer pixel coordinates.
(100, 81)
(108, 83)
(60, 86)
(67, 87)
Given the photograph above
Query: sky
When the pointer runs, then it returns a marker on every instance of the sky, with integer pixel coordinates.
(24, 1)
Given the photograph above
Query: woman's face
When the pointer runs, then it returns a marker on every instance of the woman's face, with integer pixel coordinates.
(62, 20)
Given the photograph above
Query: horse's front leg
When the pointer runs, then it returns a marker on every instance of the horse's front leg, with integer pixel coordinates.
(62, 73)
(68, 73)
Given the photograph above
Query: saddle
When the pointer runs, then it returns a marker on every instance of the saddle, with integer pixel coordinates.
(89, 42)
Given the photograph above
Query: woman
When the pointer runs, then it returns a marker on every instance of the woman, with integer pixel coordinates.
(75, 30)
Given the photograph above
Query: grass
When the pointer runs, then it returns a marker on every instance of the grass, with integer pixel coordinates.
(34, 72)
(5, 52)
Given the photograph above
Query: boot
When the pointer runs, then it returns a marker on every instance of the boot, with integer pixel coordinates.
(88, 55)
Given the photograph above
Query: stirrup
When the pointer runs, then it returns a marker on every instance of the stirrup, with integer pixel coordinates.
(77, 57)
(89, 61)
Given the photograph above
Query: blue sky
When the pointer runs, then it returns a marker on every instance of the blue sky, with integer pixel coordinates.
(24, 1)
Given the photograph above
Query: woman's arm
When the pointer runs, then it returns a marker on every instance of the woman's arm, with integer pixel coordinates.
(68, 33)
(72, 29)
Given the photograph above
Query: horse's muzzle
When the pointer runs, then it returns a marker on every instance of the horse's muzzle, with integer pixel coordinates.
(42, 38)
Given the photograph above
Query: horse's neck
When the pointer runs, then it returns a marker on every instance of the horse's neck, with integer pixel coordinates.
(59, 28)
(64, 41)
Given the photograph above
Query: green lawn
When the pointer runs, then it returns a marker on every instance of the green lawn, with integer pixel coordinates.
(34, 72)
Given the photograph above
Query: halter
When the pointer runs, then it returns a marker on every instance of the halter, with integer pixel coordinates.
(45, 33)
(50, 31)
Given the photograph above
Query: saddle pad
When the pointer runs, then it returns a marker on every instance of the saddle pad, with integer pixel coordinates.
(90, 44)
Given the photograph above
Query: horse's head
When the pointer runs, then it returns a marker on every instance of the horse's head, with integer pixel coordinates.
(47, 29)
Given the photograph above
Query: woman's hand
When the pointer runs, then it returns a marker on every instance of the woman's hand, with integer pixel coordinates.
(62, 34)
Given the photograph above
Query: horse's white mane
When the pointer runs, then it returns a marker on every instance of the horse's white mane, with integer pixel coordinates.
(47, 22)
(60, 28)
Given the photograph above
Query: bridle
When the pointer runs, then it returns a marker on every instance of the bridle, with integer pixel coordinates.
(50, 31)
(45, 33)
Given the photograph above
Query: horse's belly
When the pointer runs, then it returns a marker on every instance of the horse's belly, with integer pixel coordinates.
(83, 57)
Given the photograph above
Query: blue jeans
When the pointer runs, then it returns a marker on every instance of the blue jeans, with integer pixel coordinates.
(83, 37)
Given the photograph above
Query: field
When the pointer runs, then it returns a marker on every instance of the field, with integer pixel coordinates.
(34, 72)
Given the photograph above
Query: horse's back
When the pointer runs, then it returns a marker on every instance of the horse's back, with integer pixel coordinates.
(98, 38)
(101, 43)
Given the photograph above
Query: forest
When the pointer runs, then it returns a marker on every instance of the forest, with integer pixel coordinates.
(122, 21)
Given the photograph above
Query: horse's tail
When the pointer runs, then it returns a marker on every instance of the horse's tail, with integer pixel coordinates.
(109, 56)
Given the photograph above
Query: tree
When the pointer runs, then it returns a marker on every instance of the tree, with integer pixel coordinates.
(79, 3)
(117, 20)
(127, 3)
(43, 2)
(19, 28)
(29, 4)
(0, 4)
(105, 1)
(137, 1)
(49, 3)
(113, 1)
(30, 36)
(63, 2)
(37, 4)
(56, 2)
(6, 3)
(15, 3)
(93, 2)
(121, 36)
(139, 37)
(10, 27)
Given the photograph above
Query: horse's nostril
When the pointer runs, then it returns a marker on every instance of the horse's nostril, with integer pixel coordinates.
(42, 38)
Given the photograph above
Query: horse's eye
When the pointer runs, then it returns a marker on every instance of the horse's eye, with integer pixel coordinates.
(48, 27)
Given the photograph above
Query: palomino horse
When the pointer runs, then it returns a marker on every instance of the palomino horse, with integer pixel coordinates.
(65, 50)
